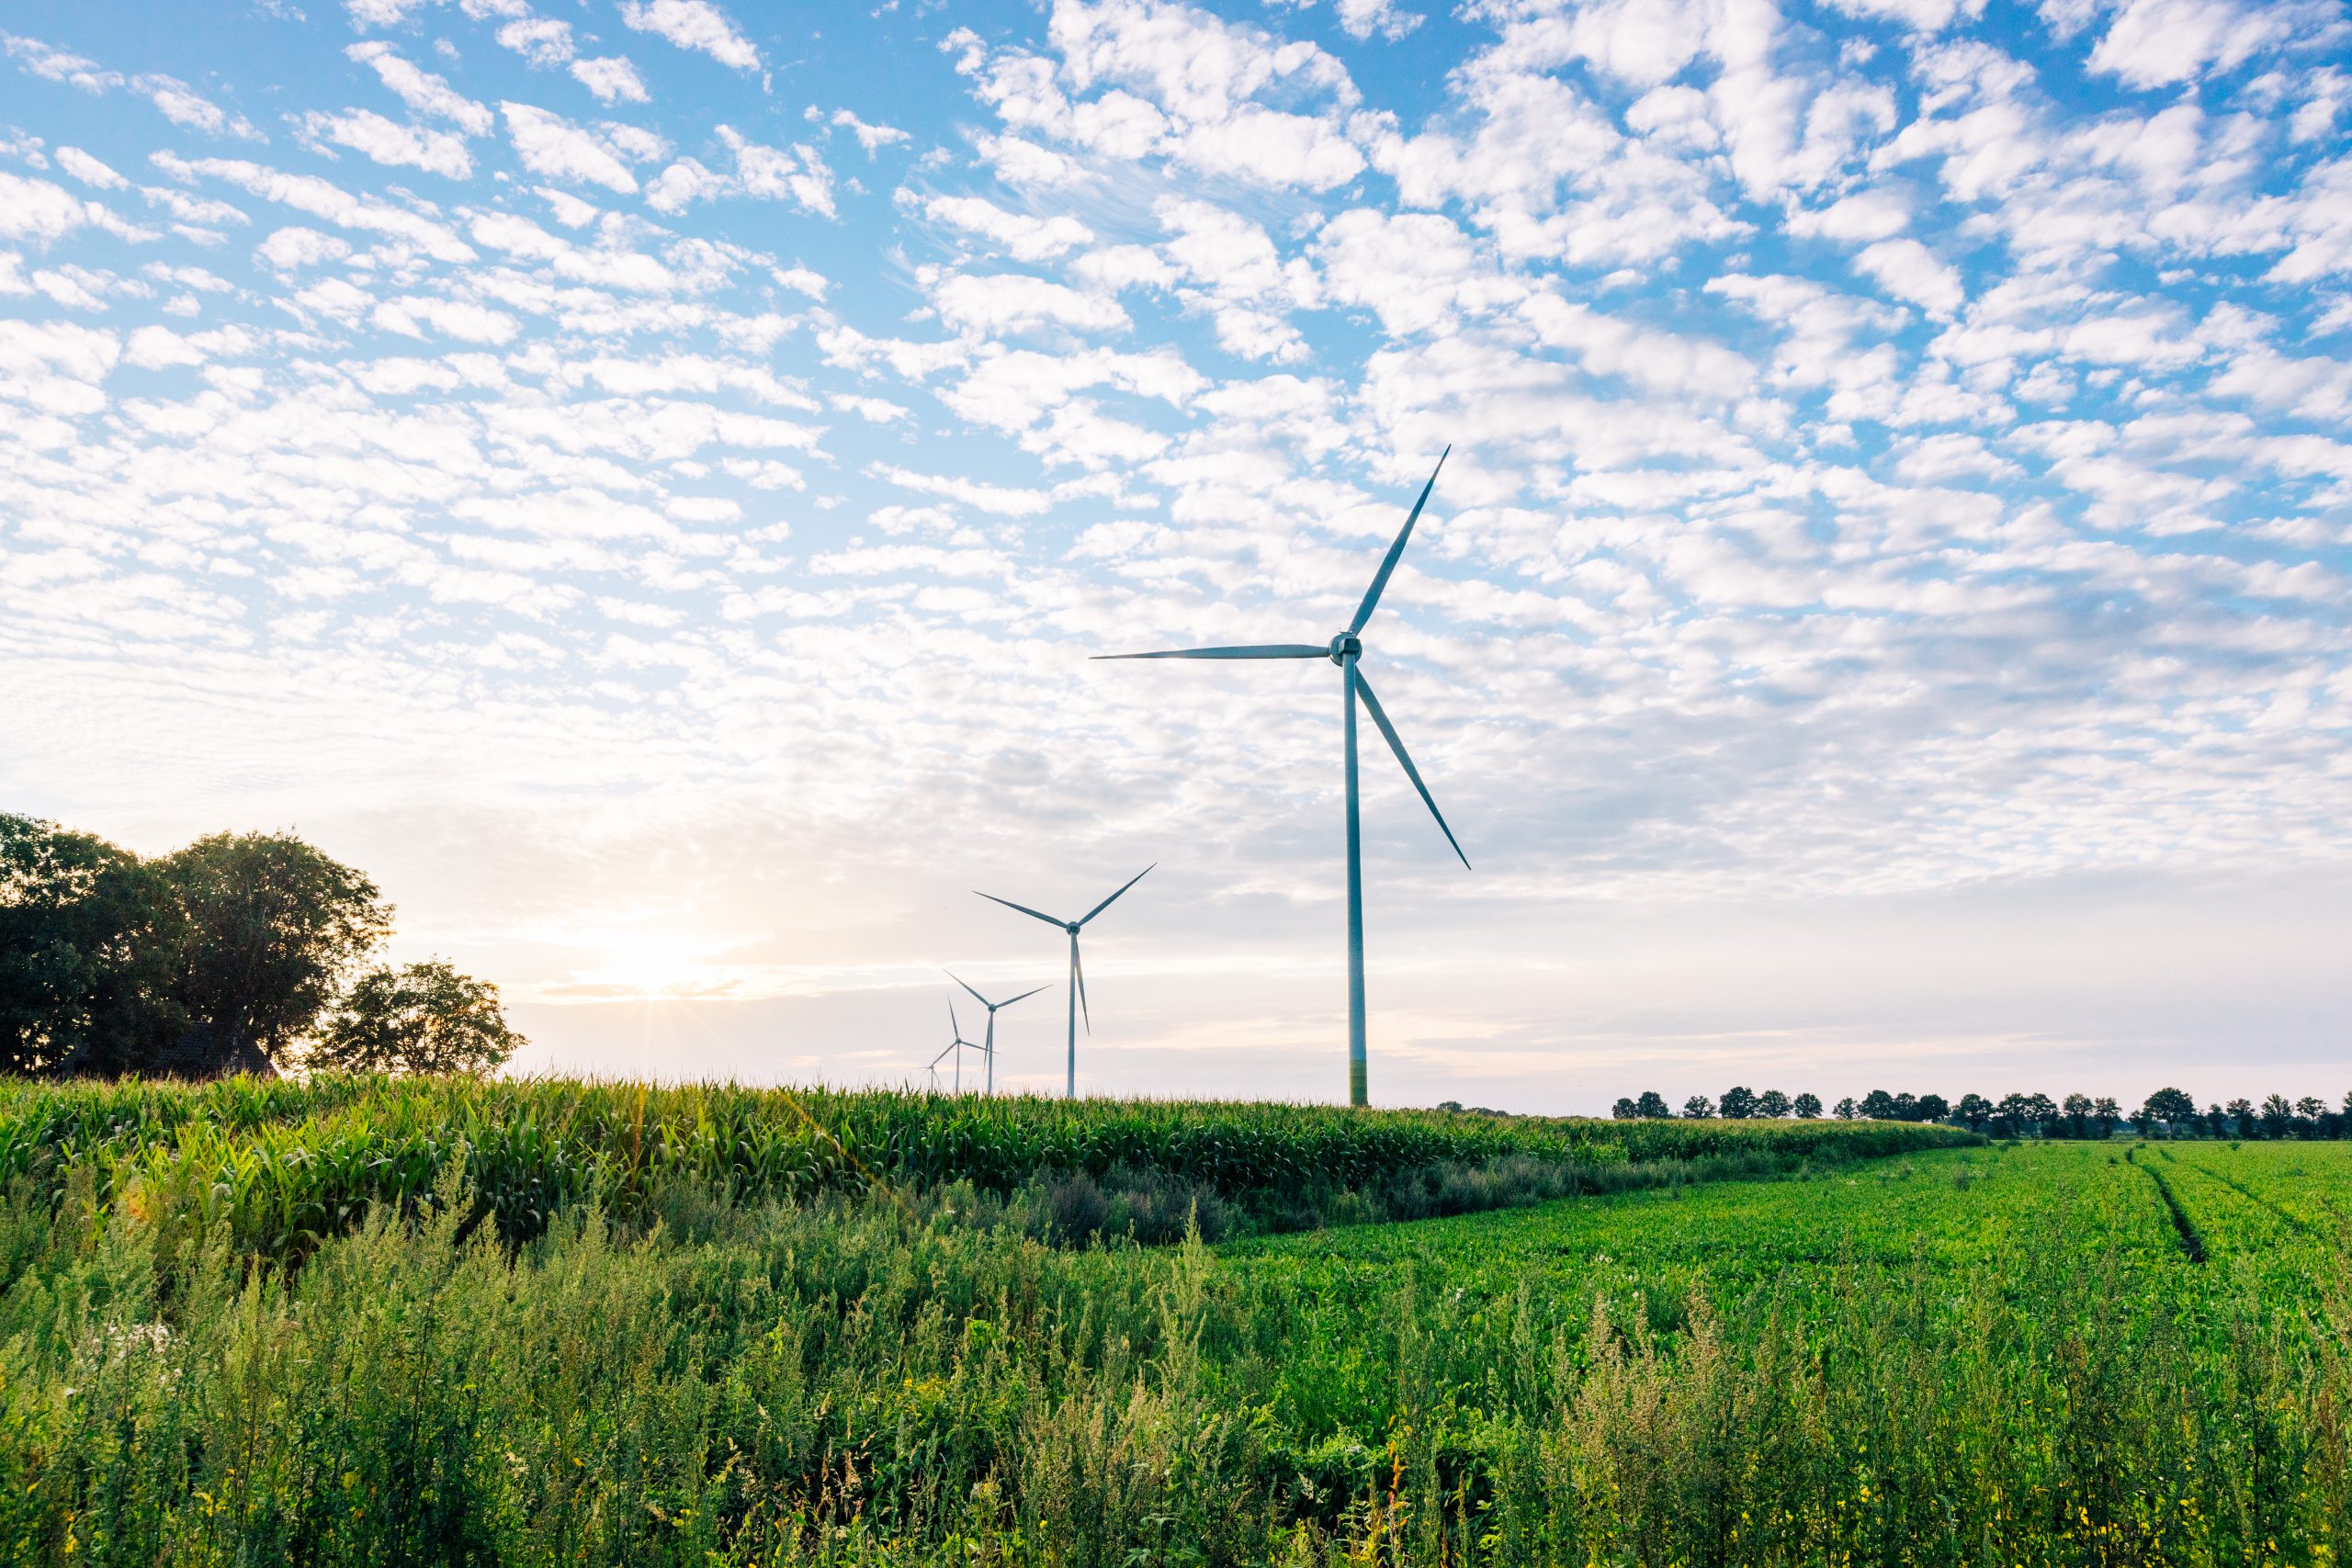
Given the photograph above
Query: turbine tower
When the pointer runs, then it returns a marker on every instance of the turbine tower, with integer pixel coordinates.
(1345, 650)
(955, 1043)
(988, 1051)
(1077, 969)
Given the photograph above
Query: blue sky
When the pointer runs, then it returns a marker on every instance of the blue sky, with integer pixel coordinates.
(644, 479)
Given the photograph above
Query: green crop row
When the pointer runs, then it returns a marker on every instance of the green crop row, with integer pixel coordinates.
(288, 1164)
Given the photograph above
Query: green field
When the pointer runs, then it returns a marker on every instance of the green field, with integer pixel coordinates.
(1958, 1354)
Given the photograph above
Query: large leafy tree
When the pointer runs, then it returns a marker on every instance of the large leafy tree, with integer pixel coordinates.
(273, 926)
(2170, 1105)
(425, 1018)
(1651, 1106)
(87, 934)
(1807, 1106)
(1738, 1103)
(1698, 1107)
(1772, 1104)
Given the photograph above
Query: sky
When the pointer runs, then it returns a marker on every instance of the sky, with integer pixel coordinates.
(643, 480)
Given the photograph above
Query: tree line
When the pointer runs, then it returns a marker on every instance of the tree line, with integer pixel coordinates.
(2169, 1112)
(240, 953)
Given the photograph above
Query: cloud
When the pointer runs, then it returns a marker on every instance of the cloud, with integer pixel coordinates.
(695, 25)
(798, 174)
(1022, 237)
(2154, 43)
(611, 78)
(1909, 270)
(541, 40)
(421, 91)
(386, 141)
(90, 170)
(873, 138)
(1015, 303)
(553, 147)
(323, 198)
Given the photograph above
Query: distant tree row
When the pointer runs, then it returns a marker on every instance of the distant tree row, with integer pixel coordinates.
(241, 953)
(2169, 1112)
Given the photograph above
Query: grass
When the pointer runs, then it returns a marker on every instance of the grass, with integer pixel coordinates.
(1958, 1355)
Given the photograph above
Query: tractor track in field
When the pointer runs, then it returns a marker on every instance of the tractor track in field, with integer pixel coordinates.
(2191, 1244)
(2296, 1221)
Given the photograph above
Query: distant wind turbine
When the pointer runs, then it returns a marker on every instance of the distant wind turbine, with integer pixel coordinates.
(988, 1051)
(1344, 650)
(955, 1043)
(1077, 969)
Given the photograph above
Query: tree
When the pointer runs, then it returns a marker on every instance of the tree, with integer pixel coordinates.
(1878, 1105)
(2106, 1112)
(2078, 1115)
(2169, 1106)
(273, 927)
(1845, 1112)
(1738, 1104)
(87, 931)
(2242, 1119)
(1698, 1107)
(1807, 1107)
(2277, 1117)
(1933, 1108)
(1975, 1112)
(2309, 1111)
(426, 1017)
(1651, 1106)
(1772, 1104)
(1624, 1110)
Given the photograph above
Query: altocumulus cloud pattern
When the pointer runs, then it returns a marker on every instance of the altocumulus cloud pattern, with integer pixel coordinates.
(1897, 444)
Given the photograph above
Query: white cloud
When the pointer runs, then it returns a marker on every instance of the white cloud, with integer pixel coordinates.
(542, 40)
(870, 136)
(323, 198)
(1012, 303)
(2154, 43)
(1909, 270)
(798, 176)
(611, 78)
(182, 105)
(88, 170)
(1021, 236)
(421, 90)
(695, 25)
(552, 146)
(387, 141)
(288, 249)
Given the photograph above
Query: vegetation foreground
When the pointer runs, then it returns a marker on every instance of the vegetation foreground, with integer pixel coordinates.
(611, 1325)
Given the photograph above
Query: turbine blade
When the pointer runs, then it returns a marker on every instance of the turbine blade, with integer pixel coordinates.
(953, 1022)
(1025, 995)
(942, 1053)
(965, 984)
(1106, 902)
(1388, 564)
(1252, 651)
(1077, 967)
(1372, 704)
(1023, 907)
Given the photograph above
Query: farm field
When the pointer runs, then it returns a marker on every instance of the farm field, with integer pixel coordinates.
(1961, 1353)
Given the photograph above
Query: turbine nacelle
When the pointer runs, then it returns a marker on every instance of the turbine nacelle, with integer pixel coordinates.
(1345, 647)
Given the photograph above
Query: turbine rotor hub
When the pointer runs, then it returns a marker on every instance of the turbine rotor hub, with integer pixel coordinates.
(1345, 647)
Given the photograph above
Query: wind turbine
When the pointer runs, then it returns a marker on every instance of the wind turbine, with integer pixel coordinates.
(955, 1043)
(988, 1051)
(1077, 970)
(1344, 650)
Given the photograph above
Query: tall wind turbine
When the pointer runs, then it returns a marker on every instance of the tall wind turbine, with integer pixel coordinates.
(955, 1043)
(1077, 970)
(988, 1049)
(1344, 650)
